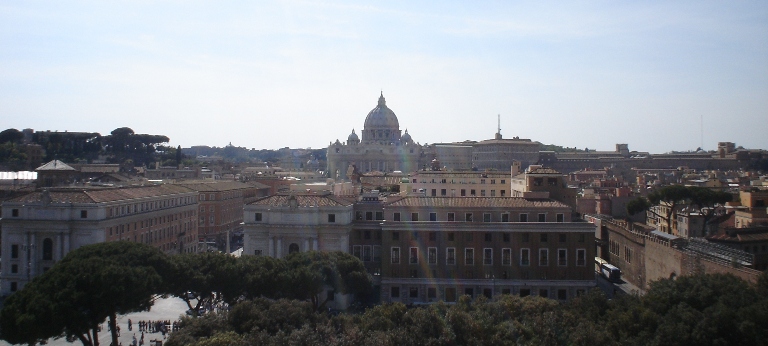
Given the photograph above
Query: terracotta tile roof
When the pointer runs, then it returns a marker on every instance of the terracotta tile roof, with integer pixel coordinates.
(101, 195)
(303, 201)
(473, 202)
(742, 235)
(213, 186)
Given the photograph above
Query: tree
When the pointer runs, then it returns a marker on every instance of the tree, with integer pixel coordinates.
(11, 135)
(204, 277)
(670, 196)
(706, 200)
(90, 285)
(314, 271)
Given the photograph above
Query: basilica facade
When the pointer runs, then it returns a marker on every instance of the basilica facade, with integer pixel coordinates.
(381, 147)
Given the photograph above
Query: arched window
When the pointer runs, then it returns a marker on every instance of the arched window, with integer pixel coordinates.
(47, 249)
(293, 248)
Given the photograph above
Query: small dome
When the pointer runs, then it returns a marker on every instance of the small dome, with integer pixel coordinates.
(406, 137)
(353, 137)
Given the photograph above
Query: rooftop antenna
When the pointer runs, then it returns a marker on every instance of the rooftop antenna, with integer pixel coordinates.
(498, 126)
(702, 132)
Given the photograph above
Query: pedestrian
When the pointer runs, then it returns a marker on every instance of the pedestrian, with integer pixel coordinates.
(134, 342)
(130, 327)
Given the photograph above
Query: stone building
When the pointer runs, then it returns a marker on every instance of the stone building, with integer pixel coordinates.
(381, 147)
(40, 228)
(424, 249)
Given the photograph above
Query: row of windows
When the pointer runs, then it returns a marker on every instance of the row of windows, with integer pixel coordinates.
(450, 293)
(146, 206)
(47, 250)
(615, 249)
(367, 253)
(462, 181)
(487, 256)
(487, 236)
(463, 193)
(469, 217)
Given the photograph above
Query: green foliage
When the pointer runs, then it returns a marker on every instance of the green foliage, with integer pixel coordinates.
(692, 310)
(89, 285)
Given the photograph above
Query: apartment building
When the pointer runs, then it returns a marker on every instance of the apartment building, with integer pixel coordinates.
(457, 184)
(40, 228)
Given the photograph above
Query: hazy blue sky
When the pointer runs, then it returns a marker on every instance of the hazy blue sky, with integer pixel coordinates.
(265, 74)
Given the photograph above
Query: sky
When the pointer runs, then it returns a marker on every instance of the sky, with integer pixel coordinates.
(657, 75)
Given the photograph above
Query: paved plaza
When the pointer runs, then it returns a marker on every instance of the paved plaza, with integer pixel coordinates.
(169, 309)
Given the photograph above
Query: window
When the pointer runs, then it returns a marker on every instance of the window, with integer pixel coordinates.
(83, 214)
(560, 218)
(432, 216)
(331, 218)
(506, 257)
(379, 215)
(450, 256)
(472, 192)
(451, 236)
(524, 292)
(413, 257)
(469, 292)
(451, 217)
(377, 253)
(395, 292)
(443, 192)
(368, 215)
(14, 286)
(395, 235)
(628, 253)
(47, 249)
(505, 237)
(395, 255)
(15, 212)
(542, 217)
(396, 216)
(488, 236)
(434, 192)
(413, 292)
(414, 216)
(505, 217)
(293, 248)
(562, 294)
(523, 217)
(543, 237)
(468, 217)
(525, 257)
(486, 217)
(14, 268)
(14, 251)
(493, 181)
(258, 217)
(367, 253)
(581, 257)
(257, 252)
(463, 192)
(432, 255)
(431, 293)
(544, 293)
(487, 256)
(562, 257)
(503, 193)
(543, 257)
(450, 294)
(469, 256)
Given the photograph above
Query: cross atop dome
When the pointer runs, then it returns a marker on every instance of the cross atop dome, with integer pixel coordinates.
(381, 99)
